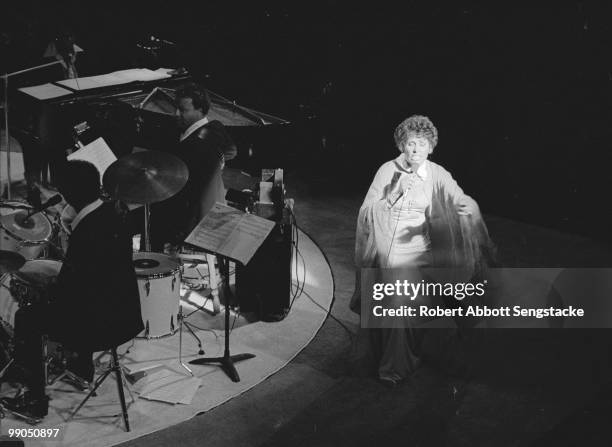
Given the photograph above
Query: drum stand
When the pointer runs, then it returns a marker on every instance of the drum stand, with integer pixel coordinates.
(147, 228)
(227, 361)
(7, 354)
(181, 322)
(6, 367)
(74, 380)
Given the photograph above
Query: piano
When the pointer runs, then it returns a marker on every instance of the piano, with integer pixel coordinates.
(126, 114)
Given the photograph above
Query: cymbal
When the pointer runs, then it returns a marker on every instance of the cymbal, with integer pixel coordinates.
(10, 261)
(145, 177)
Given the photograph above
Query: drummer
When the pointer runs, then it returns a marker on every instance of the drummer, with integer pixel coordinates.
(93, 305)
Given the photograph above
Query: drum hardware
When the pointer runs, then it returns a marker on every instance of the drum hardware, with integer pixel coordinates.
(122, 384)
(6, 367)
(59, 356)
(27, 419)
(25, 221)
(98, 359)
(144, 178)
(63, 230)
(182, 322)
(22, 292)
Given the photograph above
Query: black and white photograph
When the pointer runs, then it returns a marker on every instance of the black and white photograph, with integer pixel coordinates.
(324, 223)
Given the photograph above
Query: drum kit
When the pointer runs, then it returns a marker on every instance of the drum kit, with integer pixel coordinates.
(144, 178)
(25, 237)
(141, 178)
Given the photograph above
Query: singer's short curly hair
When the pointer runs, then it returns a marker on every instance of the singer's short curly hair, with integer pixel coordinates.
(199, 96)
(418, 125)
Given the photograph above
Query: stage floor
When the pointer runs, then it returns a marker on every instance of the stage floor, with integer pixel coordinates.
(273, 344)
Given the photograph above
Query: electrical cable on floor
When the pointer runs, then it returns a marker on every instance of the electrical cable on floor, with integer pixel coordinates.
(348, 331)
(300, 287)
(198, 307)
(214, 331)
(295, 242)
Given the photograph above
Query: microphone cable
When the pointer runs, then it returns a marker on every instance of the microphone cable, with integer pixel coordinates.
(396, 224)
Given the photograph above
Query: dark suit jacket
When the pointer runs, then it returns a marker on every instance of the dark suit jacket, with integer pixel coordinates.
(96, 296)
(173, 219)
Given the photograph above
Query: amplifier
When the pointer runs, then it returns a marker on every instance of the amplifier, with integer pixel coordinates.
(263, 286)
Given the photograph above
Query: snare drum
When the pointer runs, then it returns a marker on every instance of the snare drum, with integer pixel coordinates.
(159, 283)
(16, 291)
(28, 238)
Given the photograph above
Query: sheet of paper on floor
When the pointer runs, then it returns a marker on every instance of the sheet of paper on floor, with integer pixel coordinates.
(167, 385)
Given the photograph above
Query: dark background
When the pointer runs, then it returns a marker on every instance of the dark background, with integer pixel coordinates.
(521, 95)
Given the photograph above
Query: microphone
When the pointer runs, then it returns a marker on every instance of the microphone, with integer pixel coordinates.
(393, 197)
(394, 180)
(158, 40)
(34, 197)
(65, 47)
(54, 200)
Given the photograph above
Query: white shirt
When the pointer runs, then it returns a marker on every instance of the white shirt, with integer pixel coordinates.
(85, 211)
(195, 126)
(421, 172)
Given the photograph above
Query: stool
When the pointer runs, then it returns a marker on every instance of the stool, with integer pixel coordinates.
(116, 368)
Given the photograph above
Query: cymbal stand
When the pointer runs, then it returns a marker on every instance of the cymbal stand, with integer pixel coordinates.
(181, 321)
(147, 229)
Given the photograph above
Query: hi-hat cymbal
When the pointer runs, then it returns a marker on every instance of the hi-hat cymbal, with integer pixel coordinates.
(145, 177)
(10, 261)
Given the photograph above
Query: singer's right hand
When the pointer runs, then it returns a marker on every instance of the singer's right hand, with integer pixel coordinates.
(394, 196)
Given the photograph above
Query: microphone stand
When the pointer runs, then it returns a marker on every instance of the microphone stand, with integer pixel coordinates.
(6, 122)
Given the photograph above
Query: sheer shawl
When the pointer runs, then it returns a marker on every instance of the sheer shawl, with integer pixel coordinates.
(458, 242)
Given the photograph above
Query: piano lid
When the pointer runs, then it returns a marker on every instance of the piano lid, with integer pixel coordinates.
(163, 100)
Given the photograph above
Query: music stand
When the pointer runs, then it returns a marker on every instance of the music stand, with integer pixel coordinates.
(233, 235)
(227, 360)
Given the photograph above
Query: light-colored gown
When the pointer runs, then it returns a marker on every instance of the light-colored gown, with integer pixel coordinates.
(409, 220)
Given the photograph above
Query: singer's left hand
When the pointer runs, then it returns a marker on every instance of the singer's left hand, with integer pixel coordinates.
(467, 206)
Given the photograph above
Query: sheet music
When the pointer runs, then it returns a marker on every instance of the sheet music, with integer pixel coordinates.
(230, 233)
(114, 78)
(45, 91)
(97, 153)
(169, 386)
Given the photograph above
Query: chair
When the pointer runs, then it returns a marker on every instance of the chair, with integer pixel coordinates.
(115, 367)
(213, 279)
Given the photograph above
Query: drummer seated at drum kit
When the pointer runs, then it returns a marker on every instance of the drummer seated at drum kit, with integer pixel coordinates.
(94, 303)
